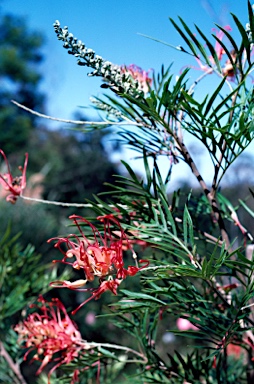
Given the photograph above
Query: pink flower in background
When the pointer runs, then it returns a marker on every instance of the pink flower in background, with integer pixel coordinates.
(218, 49)
(235, 350)
(138, 74)
(90, 318)
(219, 34)
(101, 257)
(185, 325)
(15, 185)
(51, 334)
(35, 187)
(227, 67)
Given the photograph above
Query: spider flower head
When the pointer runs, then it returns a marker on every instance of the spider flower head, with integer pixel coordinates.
(50, 334)
(14, 185)
(99, 256)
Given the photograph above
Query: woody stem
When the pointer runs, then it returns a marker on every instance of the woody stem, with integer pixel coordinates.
(19, 379)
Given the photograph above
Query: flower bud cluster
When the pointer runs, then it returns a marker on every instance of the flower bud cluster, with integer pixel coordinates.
(117, 80)
(109, 109)
(249, 34)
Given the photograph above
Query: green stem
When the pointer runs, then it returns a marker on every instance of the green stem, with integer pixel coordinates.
(88, 345)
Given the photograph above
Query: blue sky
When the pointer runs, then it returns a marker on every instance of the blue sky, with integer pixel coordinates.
(111, 28)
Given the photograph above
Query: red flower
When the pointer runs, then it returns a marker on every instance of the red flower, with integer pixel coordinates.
(15, 185)
(51, 334)
(101, 257)
(106, 285)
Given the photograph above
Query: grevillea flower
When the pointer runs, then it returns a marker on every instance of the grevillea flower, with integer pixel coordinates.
(101, 257)
(15, 185)
(133, 82)
(227, 67)
(51, 334)
(219, 34)
(139, 75)
(218, 49)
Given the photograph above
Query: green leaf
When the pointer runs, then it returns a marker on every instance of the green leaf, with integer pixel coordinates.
(142, 296)
(188, 228)
(188, 42)
(246, 208)
(198, 44)
(245, 40)
(230, 38)
(229, 55)
(251, 18)
(213, 96)
(211, 49)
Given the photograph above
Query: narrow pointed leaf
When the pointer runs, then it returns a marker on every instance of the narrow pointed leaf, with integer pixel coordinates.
(211, 49)
(230, 38)
(246, 208)
(188, 42)
(195, 40)
(142, 296)
(214, 95)
(245, 39)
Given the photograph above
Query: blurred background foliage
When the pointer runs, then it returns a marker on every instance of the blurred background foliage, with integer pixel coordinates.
(63, 165)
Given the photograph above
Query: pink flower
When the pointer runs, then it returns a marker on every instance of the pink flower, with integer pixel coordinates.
(15, 185)
(185, 325)
(90, 318)
(101, 257)
(139, 75)
(227, 67)
(51, 334)
(219, 34)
